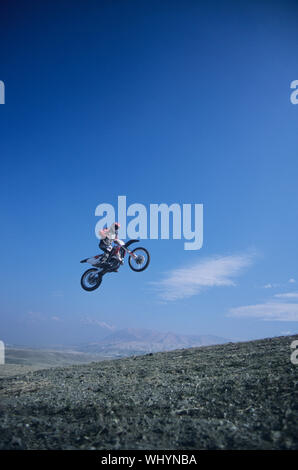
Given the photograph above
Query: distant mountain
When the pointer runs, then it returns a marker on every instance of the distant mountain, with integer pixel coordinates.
(131, 341)
(120, 343)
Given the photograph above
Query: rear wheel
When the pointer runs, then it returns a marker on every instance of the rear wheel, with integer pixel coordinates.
(91, 279)
(140, 261)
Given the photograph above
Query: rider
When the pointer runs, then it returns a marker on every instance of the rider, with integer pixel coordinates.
(107, 236)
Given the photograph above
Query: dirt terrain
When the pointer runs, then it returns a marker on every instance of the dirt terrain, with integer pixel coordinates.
(230, 396)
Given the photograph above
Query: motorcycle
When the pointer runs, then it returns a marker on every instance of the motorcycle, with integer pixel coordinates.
(138, 261)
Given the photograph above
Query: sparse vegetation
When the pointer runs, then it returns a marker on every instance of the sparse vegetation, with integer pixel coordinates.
(230, 396)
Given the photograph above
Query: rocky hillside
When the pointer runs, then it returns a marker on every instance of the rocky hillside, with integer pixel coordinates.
(230, 396)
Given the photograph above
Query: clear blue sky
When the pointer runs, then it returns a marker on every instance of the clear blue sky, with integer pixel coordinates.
(172, 101)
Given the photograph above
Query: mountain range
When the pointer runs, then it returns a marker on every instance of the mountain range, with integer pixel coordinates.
(130, 341)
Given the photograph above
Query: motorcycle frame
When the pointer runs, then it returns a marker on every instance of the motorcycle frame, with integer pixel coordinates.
(120, 244)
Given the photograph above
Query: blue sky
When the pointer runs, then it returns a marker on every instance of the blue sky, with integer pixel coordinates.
(164, 102)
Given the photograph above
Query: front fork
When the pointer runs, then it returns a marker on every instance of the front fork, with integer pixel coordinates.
(129, 252)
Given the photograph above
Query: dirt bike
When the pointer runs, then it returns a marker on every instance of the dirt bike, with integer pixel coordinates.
(138, 261)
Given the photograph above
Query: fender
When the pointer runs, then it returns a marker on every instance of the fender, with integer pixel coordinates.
(87, 260)
(130, 242)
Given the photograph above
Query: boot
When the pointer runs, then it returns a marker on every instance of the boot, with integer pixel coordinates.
(104, 258)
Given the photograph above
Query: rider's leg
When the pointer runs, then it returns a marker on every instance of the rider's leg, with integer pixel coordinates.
(106, 248)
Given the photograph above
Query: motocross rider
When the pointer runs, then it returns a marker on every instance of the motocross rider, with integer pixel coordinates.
(107, 236)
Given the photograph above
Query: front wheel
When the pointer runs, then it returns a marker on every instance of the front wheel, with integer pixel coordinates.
(91, 279)
(140, 261)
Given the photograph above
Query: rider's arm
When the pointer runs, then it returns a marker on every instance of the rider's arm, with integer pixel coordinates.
(103, 233)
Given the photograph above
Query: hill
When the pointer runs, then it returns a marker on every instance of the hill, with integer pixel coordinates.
(230, 396)
(23, 360)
